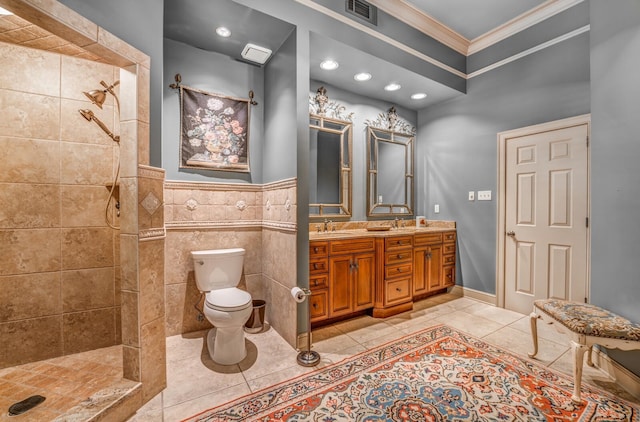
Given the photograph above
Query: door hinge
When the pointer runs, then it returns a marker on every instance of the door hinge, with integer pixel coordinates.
(587, 141)
(587, 222)
(585, 300)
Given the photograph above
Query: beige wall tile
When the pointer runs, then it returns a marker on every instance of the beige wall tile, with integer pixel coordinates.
(75, 128)
(29, 296)
(80, 75)
(131, 362)
(29, 251)
(144, 80)
(87, 289)
(88, 330)
(150, 200)
(153, 359)
(129, 262)
(174, 307)
(25, 205)
(83, 206)
(39, 71)
(128, 205)
(30, 340)
(143, 143)
(29, 160)
(36, 116)
(280, 311)
(128, 93)
(129, 148)
(83, 164)
(151, 280)
(130, 311)
(87, 248)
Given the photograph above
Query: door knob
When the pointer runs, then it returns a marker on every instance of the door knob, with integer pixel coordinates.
(511, 233)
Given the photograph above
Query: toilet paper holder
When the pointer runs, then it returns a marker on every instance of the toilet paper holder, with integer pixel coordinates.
(306, 357)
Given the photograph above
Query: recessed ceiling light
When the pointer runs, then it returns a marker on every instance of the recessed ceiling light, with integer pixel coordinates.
(364, 76)
(5, 12)
(223, 31)
(392, 87)
(329, 64)
(418, 96)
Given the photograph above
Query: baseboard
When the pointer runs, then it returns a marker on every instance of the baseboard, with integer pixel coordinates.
(622, 376)
(474, 294)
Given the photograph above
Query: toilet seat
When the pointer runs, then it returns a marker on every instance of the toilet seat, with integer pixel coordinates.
(228, 300)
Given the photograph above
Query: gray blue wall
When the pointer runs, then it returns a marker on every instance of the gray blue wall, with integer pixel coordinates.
(615, 154)
(216, 73)
(139, 23)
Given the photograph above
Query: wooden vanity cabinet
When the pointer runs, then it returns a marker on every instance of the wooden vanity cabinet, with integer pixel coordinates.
(351, 275)
(319, 280)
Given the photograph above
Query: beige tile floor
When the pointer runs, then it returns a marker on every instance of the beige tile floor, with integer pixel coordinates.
(195, 383)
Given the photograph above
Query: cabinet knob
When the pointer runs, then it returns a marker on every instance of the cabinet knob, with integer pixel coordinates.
(315, 266)
(398, 289)
(511, 233)
(427, 255)
(315, 305)
(399, 270)
(315, 249)
(315, 282)
(400, 256)
(449, 276)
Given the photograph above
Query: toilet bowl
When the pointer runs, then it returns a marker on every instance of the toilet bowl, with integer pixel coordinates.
(227, 308)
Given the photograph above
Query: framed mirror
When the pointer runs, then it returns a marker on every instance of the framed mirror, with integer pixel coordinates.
(390, 180)
(330, 143)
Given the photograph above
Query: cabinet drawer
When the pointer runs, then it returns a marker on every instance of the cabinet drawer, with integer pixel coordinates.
(398, 242)
(449, 275)
(427, 239)
(318, 305)
(449, 237)
(398, 291)
(448, 260)
(397, 257)
(320, 265)
(392, 271)
(449, 248)
(319, 282)
(318, 249)
(352, 246)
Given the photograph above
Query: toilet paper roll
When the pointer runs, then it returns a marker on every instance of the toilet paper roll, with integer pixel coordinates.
(298, 294)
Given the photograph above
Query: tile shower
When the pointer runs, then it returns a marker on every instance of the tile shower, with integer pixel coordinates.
(59, 261)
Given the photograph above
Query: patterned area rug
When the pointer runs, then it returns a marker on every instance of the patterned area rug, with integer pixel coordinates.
(439, 374)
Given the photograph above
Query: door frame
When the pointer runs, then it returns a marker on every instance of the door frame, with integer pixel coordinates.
(503, 138)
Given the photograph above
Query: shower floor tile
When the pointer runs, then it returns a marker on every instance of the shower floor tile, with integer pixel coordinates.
(66, 382)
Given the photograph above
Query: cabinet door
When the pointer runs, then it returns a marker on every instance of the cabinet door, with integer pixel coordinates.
(318, 305)
(434, 268)
(420, 270)
(363, 281)
(340, 270)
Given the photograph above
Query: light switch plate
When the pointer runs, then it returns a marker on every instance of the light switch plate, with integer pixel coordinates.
(484, 195)
(436, 208)
(472, 196)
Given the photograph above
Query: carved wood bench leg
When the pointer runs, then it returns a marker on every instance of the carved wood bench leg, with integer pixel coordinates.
(577, 350)
(533, 317)
(589, 358)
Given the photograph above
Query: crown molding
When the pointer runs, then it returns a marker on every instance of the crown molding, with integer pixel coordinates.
(424, 23)
(520, 23)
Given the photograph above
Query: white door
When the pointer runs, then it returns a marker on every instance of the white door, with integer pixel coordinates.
(546, 217)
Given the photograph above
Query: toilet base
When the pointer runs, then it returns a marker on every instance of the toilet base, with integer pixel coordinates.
(226, 345)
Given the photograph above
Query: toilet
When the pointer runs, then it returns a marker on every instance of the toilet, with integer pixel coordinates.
(218, 272)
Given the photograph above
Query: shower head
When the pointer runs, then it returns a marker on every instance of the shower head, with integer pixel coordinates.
(88, 114)
(98, 96)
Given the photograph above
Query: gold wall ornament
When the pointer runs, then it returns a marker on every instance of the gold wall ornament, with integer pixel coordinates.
(391, 121)
(320, 105)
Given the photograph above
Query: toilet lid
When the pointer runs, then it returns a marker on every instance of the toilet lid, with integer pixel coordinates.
(229, 299)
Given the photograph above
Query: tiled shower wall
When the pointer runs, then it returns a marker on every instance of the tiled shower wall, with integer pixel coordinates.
(59, 261)
(259, 218)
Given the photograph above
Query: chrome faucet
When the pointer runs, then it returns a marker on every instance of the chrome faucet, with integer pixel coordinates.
(326, 225)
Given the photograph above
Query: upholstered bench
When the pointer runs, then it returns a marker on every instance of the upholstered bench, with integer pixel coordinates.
(586, 325)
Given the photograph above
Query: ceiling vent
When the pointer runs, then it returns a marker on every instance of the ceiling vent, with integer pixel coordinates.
(255, 53)
(363, 10)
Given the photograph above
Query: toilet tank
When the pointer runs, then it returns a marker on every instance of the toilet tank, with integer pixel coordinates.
(218, 268)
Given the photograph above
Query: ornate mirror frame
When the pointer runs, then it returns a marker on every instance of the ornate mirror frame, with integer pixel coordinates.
(388, 132)
(330, 119)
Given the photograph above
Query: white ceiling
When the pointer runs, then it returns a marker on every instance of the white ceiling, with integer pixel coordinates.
(472, 18)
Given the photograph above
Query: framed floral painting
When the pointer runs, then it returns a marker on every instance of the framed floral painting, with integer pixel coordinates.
(214, 131)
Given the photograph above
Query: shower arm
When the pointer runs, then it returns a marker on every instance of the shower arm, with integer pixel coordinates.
(109, 89)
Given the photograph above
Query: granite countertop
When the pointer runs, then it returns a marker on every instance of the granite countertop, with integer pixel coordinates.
(350, 233)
